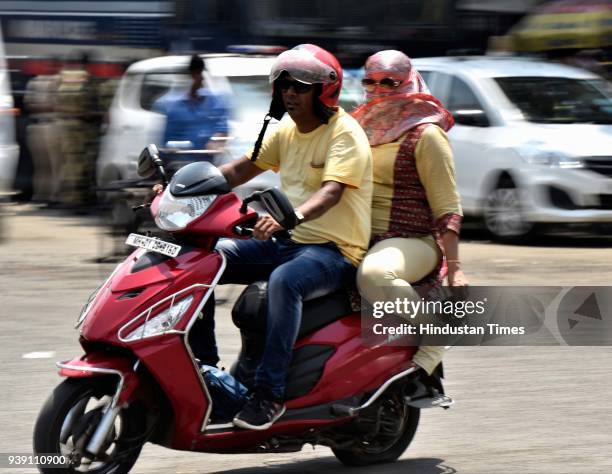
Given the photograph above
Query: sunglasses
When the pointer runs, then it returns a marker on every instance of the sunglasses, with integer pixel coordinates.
(298, 87)
(387, 83)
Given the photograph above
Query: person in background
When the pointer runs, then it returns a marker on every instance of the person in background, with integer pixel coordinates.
(43, 139)
(195, 116)
(416, 211)
(79, 122)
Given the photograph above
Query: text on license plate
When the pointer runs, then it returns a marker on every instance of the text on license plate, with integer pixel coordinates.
(153, 244)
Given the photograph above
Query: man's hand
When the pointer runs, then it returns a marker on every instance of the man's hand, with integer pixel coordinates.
(148, 199)
(266, 226)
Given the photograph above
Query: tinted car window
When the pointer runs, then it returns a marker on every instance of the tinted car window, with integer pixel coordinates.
(462, 97)
(426, 75)
(156, 85)
(558, 99)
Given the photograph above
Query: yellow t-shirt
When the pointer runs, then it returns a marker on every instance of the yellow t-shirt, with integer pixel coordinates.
(434, 163)
(337, 151)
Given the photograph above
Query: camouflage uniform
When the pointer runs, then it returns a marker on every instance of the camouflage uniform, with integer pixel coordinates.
(79, 125)
(42, 136)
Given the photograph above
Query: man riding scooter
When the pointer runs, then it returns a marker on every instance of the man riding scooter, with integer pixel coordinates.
(324, 161)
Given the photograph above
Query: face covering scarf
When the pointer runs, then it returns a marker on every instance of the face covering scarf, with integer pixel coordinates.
(391, 112)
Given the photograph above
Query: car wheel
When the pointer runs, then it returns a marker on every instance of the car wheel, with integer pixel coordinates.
(504, 215)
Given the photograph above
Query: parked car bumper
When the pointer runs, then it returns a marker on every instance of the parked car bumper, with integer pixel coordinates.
(568, 196)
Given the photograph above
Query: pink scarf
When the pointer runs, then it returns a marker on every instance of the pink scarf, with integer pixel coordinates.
(390, 113)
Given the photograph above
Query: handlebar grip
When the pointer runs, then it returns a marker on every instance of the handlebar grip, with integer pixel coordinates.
(282, 234)
(243, 231)
(248, 232)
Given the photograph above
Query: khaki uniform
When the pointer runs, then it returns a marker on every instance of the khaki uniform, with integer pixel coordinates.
(79, 129)
(42, 136)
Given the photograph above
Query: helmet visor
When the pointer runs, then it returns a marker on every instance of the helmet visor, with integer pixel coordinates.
(303, 66)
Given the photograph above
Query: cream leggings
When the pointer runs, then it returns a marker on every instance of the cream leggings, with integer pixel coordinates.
(396, 263)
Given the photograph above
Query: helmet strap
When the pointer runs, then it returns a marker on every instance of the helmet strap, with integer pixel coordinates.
(260, 138)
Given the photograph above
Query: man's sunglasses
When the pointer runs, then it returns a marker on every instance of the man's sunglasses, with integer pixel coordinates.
(387, 83)
(298, 87)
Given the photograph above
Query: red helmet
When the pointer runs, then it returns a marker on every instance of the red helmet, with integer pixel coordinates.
(312, 65)
(305, 63)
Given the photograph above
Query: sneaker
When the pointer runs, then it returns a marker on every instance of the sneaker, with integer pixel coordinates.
(259, 413)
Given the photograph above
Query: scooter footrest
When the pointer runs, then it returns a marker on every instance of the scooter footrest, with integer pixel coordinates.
(343, 410)
(441, 401)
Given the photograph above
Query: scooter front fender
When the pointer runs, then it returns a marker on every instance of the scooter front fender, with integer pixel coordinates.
(100, 364)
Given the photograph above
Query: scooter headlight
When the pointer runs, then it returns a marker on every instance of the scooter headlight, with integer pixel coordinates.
(175, 213)
(162, 322)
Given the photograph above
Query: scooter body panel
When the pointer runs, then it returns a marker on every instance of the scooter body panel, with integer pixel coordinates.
(118, 303)
(353, 368)
(173, 367)
(99, 364)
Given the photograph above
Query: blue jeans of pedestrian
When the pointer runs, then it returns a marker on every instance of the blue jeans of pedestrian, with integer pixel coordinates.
(295, 273)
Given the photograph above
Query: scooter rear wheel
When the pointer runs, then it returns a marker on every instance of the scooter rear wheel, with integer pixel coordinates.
(395, 428)
(68, 419)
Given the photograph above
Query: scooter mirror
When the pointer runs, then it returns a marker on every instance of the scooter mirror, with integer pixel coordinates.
(279, 207)
(147, 161)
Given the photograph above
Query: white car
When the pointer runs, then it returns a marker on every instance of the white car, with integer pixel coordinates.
(532, 141)
(9, 150)
(243, 81)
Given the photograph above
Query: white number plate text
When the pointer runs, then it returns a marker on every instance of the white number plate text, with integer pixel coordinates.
(153, 244)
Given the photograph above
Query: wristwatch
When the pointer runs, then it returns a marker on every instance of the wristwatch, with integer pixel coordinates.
(299, 217)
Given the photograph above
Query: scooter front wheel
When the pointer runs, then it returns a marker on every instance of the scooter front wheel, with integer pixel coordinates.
(69, 418)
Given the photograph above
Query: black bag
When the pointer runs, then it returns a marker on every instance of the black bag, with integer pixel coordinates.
(228, 395)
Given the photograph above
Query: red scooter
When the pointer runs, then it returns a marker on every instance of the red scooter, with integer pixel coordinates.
(139, 380)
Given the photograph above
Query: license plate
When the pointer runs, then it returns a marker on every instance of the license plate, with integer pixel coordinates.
(153, 244)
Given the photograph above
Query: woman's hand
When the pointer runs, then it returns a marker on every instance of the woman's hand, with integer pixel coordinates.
(456, 277)
(457, 281)
(266, 226)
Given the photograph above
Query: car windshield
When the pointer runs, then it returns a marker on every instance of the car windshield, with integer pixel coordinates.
(559, 99)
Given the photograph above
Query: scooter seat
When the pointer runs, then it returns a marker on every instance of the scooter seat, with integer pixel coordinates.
(249, 312)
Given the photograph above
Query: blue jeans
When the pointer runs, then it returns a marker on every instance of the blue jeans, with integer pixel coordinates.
(295, 272)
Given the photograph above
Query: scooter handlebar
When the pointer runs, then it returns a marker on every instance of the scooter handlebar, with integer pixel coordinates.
(248, 232)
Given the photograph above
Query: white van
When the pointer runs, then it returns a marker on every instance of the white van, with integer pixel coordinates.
(9, 150)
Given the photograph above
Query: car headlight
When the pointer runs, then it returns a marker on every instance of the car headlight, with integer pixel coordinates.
(176, 213)
(552, 159)
(162, 322)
